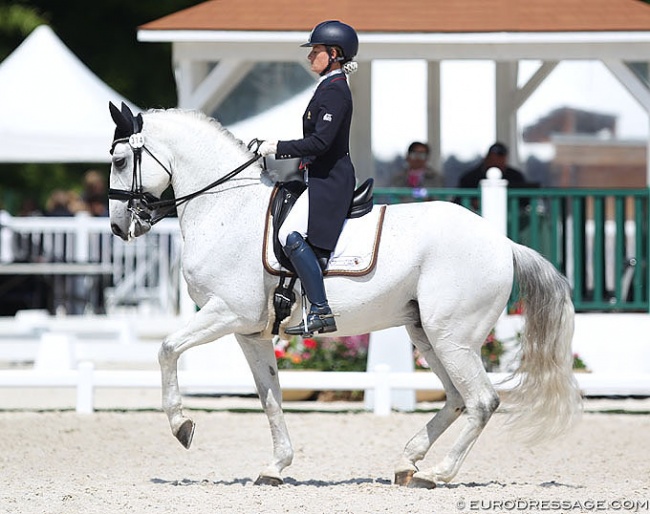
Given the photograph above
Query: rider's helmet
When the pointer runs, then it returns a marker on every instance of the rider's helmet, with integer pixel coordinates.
(335, 33)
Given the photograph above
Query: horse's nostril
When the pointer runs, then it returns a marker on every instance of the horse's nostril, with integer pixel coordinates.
(117, 231)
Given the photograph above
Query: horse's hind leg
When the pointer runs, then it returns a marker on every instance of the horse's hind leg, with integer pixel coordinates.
(261, 359)
(419, 445)
(466, 371)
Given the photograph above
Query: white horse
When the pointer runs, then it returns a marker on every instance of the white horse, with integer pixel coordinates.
(441, 271)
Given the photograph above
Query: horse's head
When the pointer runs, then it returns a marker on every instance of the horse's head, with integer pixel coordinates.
(137, 179)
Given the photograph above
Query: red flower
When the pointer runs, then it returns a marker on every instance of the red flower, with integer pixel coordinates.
(279, 354)
(309, 343)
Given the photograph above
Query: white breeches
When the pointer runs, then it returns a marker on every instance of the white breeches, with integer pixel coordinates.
(297, 219)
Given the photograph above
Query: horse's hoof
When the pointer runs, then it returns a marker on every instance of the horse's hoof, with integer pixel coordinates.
(404, 477)
(421, 483)
(186, 433)
(273, 481)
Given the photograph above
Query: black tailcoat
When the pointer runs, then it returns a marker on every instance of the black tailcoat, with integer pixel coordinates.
(325, 152)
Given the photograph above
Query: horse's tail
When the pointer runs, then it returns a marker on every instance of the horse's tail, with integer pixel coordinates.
(546, 399)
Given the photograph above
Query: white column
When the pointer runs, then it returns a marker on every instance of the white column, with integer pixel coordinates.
(433, 113)
(506, 108)
(360, 135)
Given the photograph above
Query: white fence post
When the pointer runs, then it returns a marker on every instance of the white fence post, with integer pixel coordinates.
(85, 387)
(6, 239)
(82, 237)
(55, 352)
(494, 200)
(382, 394)
(392, 347)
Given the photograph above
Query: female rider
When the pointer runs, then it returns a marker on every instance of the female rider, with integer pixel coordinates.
(315, 222)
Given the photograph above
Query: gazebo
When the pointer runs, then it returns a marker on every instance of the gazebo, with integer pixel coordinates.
(234, 34)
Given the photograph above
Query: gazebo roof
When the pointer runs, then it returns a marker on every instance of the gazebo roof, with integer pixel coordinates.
(408, 16)
(238, 33)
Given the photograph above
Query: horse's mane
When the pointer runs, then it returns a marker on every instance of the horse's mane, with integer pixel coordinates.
(202, 118)
(268, 177)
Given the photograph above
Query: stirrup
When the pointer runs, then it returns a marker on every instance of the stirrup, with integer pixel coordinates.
(316, 324)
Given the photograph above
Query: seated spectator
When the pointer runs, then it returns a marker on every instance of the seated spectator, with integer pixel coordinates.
(417, 173)
(496, 157)
(58, 203)
(94, 193)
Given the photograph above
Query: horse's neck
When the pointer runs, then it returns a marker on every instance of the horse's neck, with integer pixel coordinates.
(243, 197)
(203, 154)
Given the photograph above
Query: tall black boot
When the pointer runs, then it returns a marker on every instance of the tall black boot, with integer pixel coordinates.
(320, 318)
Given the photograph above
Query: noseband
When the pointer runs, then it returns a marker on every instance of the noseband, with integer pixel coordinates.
(144, 206)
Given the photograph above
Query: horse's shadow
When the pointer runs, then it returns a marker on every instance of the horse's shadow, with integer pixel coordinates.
(185, 482)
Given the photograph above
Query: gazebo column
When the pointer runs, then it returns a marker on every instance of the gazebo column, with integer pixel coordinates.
(360, 134)
(638, 90)
(433, 113)
(505, 106)
(204, 88)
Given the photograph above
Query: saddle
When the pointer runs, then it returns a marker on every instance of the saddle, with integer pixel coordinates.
(284, 197)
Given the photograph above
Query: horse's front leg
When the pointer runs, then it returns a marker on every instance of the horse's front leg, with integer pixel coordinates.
(205, 326)
(261, 359)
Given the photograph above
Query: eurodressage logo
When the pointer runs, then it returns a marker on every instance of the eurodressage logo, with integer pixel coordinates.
(528, 505)
(327, 117)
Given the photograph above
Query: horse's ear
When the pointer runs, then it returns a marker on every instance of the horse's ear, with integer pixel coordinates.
(138, 122)
(124, 126)
(126, 110)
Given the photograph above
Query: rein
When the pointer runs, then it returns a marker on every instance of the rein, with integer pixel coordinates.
(146, 206)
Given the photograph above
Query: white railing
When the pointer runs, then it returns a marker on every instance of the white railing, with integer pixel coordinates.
(83, 255)
(383, 383)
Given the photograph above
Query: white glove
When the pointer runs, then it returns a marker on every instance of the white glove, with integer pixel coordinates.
(268, 148)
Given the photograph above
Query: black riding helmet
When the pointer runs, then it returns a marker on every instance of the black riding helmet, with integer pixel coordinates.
(335, 33)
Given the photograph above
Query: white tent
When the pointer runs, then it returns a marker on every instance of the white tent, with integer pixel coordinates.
(52, 107)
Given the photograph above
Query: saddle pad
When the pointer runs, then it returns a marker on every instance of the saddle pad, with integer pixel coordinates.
(356, 250)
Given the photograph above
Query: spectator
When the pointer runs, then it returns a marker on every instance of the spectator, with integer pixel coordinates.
(29, 207)
(59, 203)
(417, 172)
(496, 157)
(94, 193)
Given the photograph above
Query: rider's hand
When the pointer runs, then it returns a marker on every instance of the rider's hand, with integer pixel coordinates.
(268, 148)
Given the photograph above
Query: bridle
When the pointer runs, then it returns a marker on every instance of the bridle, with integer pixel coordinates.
(146, 207)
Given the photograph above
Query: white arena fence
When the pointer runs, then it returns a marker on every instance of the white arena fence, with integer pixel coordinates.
(64, 352)
(86, 261)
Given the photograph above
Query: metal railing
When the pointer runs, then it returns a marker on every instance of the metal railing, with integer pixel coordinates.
(597, 237)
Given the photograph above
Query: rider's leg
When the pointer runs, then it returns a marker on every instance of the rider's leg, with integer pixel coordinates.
(296, 220)
(304, 260)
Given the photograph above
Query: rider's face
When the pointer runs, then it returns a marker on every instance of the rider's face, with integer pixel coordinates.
(318, 58)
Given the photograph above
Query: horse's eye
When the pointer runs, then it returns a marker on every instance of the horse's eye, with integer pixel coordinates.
(119, 162)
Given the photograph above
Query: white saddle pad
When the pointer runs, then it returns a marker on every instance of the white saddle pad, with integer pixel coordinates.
(355, 252)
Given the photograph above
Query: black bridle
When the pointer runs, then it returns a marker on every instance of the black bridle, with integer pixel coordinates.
(145, 206)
